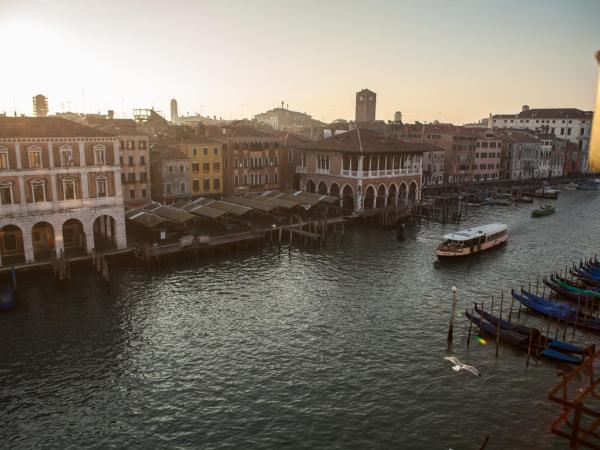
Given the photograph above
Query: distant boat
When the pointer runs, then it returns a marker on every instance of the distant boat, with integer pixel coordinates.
(503, 201)
(473, 240)
(545, 192)
(570, 186)
(7, 297)
(544, 210)
(587, 187)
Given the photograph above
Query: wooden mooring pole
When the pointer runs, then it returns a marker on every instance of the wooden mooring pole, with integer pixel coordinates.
(452, 311)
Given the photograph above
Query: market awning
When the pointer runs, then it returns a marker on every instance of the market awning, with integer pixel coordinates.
(147, 219)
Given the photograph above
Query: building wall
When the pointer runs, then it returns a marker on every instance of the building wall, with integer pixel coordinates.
(251, 164)
(134, 158)
(53, 204)
(207, 168)
(174, 173)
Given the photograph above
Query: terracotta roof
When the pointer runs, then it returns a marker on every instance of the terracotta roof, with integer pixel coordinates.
(199, 140)
(548, 113)
(29, 127)
(114, 126)
(162, 152)
(363, 140)
(236, 132)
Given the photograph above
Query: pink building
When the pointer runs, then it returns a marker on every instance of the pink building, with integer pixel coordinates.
(488, 151)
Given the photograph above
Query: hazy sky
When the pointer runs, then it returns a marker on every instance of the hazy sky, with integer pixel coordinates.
(446, 60)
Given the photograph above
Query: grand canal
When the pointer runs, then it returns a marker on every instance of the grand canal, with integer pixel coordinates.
(339, 347)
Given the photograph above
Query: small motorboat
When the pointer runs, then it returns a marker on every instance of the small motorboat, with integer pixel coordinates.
(8, 299)
(587, 187)
(544, 210)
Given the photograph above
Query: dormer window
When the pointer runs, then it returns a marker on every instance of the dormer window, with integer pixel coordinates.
(99, 155)
(38, 190)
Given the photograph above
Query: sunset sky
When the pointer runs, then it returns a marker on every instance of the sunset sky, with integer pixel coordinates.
(452, 61)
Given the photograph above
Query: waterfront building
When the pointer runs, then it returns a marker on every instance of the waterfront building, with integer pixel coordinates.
(571, 124)
(206, 159)
(289, 160)
(573, 164)
(170, 173)
(366, 103)
(488, 152)
(365, 168)
(133, 155)
(60, 189)
(458, 144)
(250, 157)
(523, 155)
(433, 167)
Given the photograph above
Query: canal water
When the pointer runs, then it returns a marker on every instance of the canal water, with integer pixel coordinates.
(339, 347)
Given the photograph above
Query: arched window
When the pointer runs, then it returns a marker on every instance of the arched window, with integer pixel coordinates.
(38, 190)
(245, 179)
(236, 163)
(66, 155)
(101, 186)
(6, 193)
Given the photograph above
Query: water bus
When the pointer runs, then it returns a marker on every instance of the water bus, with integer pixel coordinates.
(473, 240)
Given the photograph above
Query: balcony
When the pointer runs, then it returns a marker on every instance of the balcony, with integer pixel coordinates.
(322, 171)
(381, 173)
(300, 169)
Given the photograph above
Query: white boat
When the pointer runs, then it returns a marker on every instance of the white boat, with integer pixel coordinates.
(473, 240)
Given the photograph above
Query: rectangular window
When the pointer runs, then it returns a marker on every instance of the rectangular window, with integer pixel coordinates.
(182, 188)
(217, 166)
(569, 131)
(130, 160)
(194, 152)
(35, 160)
(131, 177)
(206, 184)
(181, 169)
(217, 183)
(143, 176)
(170, 169)
(143, 193)
(101, 186)
(69, 190)
(206, 151)
(236, 180)
(216, 150)
(276, 177)
(168, 188)
(132, 194)
(130, 145)
(3, 161)
(196, 167)
(206, 167)
(142, 145)
(121, 161)
(66, 158)
(122, 178)
(5, 195)
(196, 185)
(143, 160)
(99, 157)
(38, 192)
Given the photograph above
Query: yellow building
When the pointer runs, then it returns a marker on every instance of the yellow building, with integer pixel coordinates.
(206, 176)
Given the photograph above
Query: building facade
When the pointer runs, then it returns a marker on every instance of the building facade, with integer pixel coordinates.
(251, 158)
(60, 190)
(206, 159)
(134, 158)
(571, 124)
(364, 168)
(488, 153)
(170, 169)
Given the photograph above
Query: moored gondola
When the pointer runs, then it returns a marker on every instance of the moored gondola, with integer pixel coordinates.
(528, 338)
